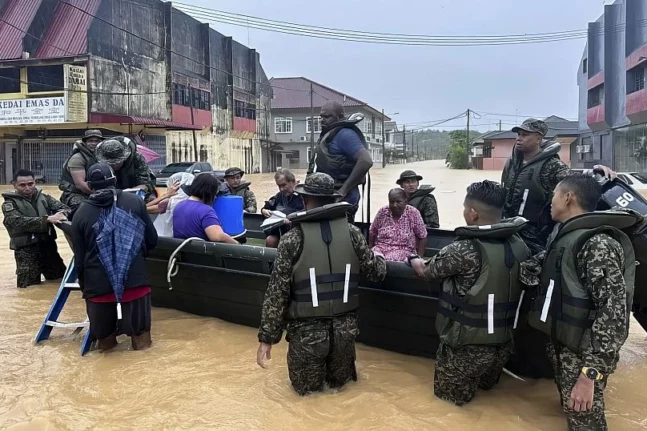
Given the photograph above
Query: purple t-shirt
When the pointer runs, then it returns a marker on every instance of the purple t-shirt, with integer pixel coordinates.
(191, 218)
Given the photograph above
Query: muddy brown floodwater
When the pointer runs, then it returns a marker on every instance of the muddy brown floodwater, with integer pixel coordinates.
(201, 373)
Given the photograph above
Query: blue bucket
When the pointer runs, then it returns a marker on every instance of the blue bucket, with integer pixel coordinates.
(229, 210)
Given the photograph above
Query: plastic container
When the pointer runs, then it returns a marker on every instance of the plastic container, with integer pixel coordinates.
(229, 210)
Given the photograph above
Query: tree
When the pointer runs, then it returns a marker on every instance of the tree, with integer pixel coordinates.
(458, 149)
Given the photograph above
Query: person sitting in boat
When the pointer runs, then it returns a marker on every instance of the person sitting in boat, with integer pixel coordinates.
(73, 183)
(285, 201)
(233, 177)
(314, 286)
(158, 204)
(164, 221)
(398, 230)
(480, 275)
(420, 197)
(132, 313)
(195, 217)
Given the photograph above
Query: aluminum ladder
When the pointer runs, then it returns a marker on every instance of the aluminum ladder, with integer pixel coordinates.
(68, 284)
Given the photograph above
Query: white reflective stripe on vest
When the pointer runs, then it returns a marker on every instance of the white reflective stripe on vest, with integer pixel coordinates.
(549, 295)
(490, 313)
(346, 281)
(516, 316)
(313, 288)
(523, 201)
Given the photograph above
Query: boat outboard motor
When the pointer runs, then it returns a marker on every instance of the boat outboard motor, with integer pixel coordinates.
(229, 210)
(617, 193)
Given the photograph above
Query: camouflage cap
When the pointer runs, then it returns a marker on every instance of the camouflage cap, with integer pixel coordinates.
(112, 152)
(232, 172)
(318, 184)
(532, 125)
(408, 175)
(92, 133)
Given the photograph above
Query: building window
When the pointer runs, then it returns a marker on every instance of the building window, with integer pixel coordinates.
(317, 125)
(283, 125)
(244, 110)
(368, 125)
(585, 65)
(45, 79)
(10, 80)
(596, 96)
(378, 128)
(640, 79)
(191, 97)
(309, 154)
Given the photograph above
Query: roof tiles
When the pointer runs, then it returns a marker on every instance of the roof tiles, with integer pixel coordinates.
(67, 33)
(16, 18)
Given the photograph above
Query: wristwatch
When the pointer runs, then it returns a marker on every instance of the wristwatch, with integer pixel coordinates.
(411, 257)
(592, 373)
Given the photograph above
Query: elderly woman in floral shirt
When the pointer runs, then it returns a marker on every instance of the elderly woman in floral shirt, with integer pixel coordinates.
(398, 230)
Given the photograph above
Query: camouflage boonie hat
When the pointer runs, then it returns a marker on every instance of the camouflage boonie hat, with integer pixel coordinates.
(232, 172)
(112, 152)
(532, 125)
(318, 184)
(92, 133)
(406, 175)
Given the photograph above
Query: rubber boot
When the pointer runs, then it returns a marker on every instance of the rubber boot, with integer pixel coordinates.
(105, 344)
(142, 341)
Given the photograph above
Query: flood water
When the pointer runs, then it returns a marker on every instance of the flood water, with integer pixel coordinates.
(201, 373)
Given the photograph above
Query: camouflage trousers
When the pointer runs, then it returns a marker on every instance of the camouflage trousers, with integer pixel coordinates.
(321, 351)
(73, 200)
(568, 366)
(460, 372)
(37, 259)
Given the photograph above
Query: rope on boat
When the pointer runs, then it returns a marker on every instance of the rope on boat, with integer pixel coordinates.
(511, 374)
(172, 268)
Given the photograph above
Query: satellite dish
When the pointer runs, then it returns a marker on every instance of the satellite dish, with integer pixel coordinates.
(356, 117)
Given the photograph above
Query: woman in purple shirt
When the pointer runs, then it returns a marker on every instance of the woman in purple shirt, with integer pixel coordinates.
(195, 217)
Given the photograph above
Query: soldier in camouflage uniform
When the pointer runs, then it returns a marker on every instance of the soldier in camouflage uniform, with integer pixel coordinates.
(420, 197)
(529, 177)
(73, 182)
(585, 285)
(323, 250)
(233, 178)
(474, 349)
(29, 216)
(130, 167)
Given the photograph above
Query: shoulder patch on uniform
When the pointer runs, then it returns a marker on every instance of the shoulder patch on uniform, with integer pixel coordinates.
(8, 206)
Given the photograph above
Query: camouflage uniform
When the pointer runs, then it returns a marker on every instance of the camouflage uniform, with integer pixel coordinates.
(134, 171)
(429, 212)
(41, 257)
(249, 198)
(460, 372)
(322, 350)
(599, 266)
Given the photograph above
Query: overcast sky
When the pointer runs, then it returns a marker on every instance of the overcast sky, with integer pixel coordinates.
(428, 83)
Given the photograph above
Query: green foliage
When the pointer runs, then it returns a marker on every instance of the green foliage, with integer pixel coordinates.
(458, 158)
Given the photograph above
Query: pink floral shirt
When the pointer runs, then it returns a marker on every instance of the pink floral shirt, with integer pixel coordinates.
(396, 240)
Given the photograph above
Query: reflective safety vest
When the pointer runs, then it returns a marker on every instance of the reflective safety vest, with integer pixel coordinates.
(20, 238)
(489, 311)
(67, 182)
(562, 307)
(416, 198)
(325, 278)
(526, 178)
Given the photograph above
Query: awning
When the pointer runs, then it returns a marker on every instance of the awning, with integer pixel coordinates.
(96, 118)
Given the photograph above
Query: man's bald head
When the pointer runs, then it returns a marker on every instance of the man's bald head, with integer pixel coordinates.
(331, 112)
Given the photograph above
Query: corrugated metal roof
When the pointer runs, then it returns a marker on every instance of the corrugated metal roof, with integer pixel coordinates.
(98, 118)
(67, 33)
(18, 14)
(294, 93)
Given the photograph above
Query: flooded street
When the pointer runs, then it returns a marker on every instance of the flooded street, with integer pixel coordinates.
(201, 373)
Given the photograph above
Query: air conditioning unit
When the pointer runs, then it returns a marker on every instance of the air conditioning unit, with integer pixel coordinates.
(583, 149)
(368, 139)
(304, 138)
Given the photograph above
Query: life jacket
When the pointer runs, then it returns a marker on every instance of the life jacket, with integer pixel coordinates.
(240, 190)
(416, 198)
(66, 184)
(562, 306)
(489, 311)
(532, 198)
(325, 278)
(37, 207)
(323, 161)
(126, 174)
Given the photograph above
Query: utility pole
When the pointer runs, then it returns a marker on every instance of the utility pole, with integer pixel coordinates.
(195, 139)
(413, 142)
(383, 144)
(312, 121)
(467, 139)
(499, 125)
(404, 142)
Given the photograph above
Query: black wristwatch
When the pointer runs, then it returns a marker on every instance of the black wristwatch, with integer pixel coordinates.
(411, 257)
(592, 373)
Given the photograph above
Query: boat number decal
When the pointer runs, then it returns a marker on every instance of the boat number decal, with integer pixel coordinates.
(624, 200)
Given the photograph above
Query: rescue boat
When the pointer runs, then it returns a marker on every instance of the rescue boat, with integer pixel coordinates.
(229, 281)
